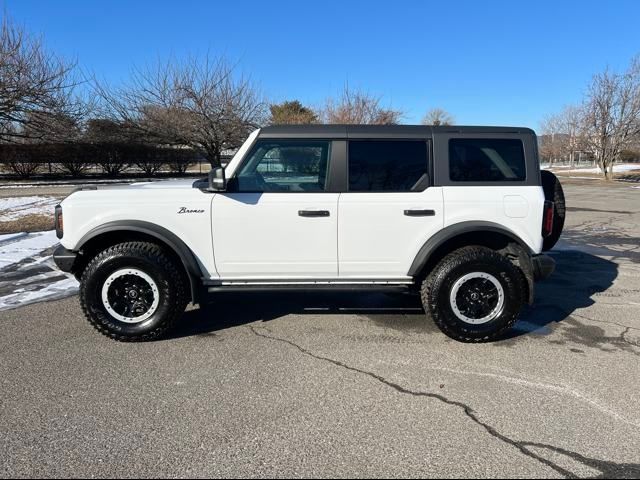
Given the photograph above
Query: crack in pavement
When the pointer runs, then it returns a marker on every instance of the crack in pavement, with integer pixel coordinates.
(468, 411)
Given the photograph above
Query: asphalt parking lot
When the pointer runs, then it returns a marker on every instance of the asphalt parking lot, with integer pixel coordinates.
(347, 385)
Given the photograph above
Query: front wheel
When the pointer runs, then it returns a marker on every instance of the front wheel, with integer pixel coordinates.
(133, 291)
(474, 294)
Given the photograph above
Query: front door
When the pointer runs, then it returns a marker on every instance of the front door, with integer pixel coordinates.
(277, 221)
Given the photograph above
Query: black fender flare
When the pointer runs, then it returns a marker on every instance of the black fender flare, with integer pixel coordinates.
(188, 259)
(424, 254)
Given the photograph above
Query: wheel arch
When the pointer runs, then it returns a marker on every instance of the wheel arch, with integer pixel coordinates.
(479, 233)
(114, 232)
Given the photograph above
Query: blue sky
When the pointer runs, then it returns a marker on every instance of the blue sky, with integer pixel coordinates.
(489, 62)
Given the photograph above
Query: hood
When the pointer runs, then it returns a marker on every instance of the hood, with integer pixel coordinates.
(186, 183)
(159, 185)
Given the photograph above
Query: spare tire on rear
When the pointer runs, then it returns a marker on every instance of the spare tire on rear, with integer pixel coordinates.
(554, 193)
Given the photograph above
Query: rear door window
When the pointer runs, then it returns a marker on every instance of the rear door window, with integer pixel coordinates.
(387, 166)
(486, 160)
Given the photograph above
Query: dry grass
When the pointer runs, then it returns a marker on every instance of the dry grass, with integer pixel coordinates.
(29, 223)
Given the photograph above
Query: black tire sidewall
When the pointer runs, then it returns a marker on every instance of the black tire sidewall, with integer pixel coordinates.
(449, 272)
(92, 292)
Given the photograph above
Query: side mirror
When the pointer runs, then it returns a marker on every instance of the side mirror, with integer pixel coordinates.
(217, 180)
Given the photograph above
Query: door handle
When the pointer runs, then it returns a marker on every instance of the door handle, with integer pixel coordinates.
(419, 213)
(313, 213)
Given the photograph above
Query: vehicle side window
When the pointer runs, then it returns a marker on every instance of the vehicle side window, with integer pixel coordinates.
(285, 166)
(486, 160)
(389, 166)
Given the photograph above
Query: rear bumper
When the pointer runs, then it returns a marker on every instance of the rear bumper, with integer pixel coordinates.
(64, 258)
(543, 266)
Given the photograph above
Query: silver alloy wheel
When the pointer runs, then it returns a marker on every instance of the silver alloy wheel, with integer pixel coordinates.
(130, 295)
(477, 298)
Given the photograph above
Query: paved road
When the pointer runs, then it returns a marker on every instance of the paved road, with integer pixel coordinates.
(344, 385)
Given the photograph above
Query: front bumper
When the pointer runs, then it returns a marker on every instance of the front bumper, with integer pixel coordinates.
(543, 266)
(64, 258)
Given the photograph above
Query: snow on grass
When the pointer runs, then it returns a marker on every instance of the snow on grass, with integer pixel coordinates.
(619, 168)
(547, 166)
(14, 208)
(27, 271)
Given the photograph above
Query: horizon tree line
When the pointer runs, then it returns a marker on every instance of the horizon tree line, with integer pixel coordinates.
(204, 104)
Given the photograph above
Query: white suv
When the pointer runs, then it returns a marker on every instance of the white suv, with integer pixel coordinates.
(456, 213)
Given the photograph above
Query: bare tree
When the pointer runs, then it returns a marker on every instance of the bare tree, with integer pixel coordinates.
(199, 103)
(18, 161)
(437, 117)
(358, 107)
(108, 137)
(612, 114)
(571, 122)
(34, 86)
(148, 161)
(73, 160)
(562, 135)
(291, 113)
(552, 138)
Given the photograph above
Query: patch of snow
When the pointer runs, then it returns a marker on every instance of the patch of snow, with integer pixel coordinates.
(26, 246)
(619, 168)
(40, 291)
(28, 273)
(14, 208)
(546, 166)
(11, 236)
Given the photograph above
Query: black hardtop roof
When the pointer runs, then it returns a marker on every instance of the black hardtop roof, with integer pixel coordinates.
(388, 131)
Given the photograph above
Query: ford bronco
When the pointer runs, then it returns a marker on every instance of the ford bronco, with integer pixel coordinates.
(460, 215)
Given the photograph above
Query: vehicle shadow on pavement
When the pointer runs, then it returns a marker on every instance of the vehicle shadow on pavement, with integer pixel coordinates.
(227, 310)
(579, 276)
(600, 468)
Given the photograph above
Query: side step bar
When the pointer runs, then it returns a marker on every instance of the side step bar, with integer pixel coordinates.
(336, 285)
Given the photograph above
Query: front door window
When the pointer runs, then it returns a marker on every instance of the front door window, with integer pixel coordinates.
(284, 166)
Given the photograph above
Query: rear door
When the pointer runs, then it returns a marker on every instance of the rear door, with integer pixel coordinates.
(389, 209)
(277, 220)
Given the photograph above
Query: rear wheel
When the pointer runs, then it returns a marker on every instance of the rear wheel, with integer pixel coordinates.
(554, 193)
(133, 291)
(474, 294)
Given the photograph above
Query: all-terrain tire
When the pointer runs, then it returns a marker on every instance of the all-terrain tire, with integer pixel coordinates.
(169, 284)
(554, 193)
(437, 287)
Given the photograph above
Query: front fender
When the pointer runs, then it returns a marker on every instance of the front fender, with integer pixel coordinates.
(172, 241)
